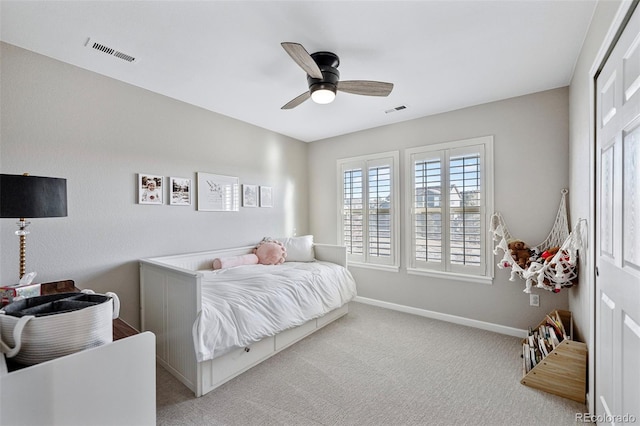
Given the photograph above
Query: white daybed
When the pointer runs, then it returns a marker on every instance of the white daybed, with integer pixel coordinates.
(172, 291)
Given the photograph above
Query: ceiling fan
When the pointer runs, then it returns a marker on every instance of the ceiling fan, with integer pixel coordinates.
(323, 77)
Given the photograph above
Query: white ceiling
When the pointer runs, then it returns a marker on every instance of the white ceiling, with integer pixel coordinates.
(225, 56)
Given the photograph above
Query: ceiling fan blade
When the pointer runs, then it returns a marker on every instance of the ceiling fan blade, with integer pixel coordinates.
(365, 87)
(297, 100)
(300, 55)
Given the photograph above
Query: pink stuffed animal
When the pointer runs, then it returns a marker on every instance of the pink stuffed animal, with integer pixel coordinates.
(270, 252)
(231, 261)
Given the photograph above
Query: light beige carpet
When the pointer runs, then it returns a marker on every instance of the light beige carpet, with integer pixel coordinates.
(376, 367)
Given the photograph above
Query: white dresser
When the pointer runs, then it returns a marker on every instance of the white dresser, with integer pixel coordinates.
(113, 384)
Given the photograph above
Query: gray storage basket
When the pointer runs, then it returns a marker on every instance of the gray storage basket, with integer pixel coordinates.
(42, 328)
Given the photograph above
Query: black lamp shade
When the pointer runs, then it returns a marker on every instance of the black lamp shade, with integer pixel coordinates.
(32, 196)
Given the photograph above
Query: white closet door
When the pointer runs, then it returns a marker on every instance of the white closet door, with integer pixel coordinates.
(617, 345)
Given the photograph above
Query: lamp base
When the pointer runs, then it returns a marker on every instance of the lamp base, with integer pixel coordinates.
(22, 233)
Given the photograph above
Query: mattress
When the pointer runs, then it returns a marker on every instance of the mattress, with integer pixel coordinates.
(244, 304)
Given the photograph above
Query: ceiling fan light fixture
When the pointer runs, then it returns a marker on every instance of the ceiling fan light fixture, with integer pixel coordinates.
(323, 96)
(323, 77)
(323, 93)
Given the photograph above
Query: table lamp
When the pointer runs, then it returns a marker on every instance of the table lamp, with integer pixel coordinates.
(26, 197)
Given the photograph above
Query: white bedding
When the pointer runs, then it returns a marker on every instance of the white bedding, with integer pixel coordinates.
(244, 304)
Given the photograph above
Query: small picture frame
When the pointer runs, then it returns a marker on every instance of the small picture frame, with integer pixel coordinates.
(249, 195)
(150, 189)
(218, 193)
(266, 196)
(180, 191)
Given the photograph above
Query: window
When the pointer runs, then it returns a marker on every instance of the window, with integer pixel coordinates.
(368, 196)
(449, 195)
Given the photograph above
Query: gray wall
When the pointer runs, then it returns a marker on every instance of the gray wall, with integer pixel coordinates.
(531, 145)
(63, 121)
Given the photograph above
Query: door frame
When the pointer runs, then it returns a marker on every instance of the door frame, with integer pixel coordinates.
(613, 34)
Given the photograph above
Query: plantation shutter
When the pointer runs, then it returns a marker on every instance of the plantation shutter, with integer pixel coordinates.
(465, 209)
(379, 213)
(447, 212)
(352, 211)
(368, 203)
(427, 208)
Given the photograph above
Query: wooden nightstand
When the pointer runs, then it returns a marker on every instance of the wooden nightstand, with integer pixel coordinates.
(120, 328)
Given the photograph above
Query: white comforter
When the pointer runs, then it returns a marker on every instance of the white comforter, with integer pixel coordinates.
(244, 304)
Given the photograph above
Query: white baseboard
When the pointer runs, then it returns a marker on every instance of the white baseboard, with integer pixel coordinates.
(496, 328)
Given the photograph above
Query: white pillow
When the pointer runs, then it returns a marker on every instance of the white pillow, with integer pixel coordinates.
(299, 249)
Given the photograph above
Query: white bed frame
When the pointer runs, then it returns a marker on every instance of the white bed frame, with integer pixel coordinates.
(171, 299)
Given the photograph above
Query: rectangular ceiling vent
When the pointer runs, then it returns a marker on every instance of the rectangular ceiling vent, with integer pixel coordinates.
(109, 50)
(398, 108)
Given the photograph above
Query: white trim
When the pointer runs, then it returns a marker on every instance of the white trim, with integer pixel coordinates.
(450, 275)
(387, 268)
(589, 276)
(496, 328)
(368, 157)
(449, 145)
(610, 37)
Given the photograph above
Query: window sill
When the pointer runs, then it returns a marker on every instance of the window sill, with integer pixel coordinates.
(388, 268)
(451, 276)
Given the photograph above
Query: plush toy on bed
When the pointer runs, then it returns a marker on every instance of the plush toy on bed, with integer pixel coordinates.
(520, 252)
(270, 252)
(231, 261)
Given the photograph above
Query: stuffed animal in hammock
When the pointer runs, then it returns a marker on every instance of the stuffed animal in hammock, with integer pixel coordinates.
(548, 254)
(520, 252)
(563, 273)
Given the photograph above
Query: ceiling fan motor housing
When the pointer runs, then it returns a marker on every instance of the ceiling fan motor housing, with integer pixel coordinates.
(328, 63)
(323, 77)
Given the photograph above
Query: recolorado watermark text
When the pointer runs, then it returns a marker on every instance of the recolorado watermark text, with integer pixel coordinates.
(605, 418)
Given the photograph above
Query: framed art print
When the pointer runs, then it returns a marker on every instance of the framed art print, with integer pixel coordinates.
(149, 189)
(218, 193)
(249, 195)
(266, 196)
(180, 191)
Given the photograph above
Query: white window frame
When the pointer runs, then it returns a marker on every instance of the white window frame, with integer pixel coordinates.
(482, 273)
(364, 162)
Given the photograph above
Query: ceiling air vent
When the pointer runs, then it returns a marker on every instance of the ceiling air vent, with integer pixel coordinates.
(398, 108)
(109, 50)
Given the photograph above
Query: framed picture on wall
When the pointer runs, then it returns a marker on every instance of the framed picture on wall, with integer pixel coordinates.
(249, 195)
(266, 196)
(150, 189)
(218, 193)
(179, 191)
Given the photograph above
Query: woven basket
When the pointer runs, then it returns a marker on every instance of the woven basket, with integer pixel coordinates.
(42, 328)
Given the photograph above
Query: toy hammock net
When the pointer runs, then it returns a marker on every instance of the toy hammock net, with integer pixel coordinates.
(552, 264)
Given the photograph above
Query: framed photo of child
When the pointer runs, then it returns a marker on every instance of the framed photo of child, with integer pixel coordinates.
(150, 189)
